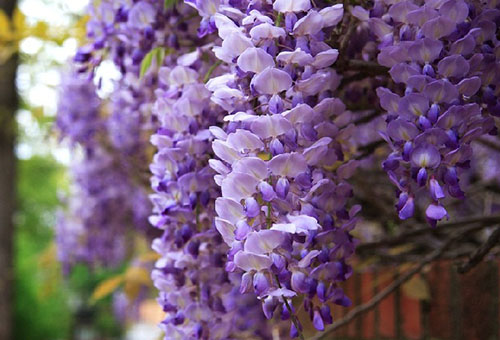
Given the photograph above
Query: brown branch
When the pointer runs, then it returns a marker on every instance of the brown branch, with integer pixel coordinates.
(480, 252)
(481, 221)
(389, 289)
(488, 143)
(367, 150)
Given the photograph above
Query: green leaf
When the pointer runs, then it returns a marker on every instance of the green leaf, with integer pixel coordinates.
(146, 63)
(158, 54)
(169, 3)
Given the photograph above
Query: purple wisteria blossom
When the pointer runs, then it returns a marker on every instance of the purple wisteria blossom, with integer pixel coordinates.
(442, 53)
(283, 211)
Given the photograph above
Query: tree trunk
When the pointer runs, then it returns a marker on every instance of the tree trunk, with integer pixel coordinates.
(8, 106)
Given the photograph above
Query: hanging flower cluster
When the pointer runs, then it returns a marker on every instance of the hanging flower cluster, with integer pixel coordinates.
(444, 54)
(283, 210)
(104, 181)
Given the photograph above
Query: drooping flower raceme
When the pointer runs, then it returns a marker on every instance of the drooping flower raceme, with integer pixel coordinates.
(443, 55)
(283, 208)
(200, 298)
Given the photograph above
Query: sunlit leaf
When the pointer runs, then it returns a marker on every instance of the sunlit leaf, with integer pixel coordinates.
(135, 278)
(19, 23)
(417, 288)
(106, 287)
(5, 29)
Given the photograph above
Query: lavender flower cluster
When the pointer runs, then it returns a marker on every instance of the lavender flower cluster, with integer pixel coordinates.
(255, 145)
(445, 56)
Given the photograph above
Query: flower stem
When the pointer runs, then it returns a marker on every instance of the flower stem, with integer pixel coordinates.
(292, 315)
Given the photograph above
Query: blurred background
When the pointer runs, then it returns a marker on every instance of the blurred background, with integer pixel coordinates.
(37, 38)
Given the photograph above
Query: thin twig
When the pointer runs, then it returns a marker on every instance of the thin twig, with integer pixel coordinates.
(488, 143)
(389, 289)
(480, 252)
(368, 149)
(484, 221)
(211, 70)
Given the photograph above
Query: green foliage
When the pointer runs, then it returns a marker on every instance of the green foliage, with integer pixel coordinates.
(169, 3)
(42, 296)
(41, 310)
(158, 54)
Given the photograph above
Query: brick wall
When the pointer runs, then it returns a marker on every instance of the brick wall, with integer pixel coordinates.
(461, 307)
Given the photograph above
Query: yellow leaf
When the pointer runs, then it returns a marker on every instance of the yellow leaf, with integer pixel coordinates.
(40, 30)
(135, 278)
(417, 288)
(106, 287)
(19, 23)
(149, 257)
(5, 30)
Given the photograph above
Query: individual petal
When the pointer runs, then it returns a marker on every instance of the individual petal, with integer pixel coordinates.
(438, 27)
(315, 153)
(301, 113)
(402, 71)
(235, 44)
(435, 212)
(319, 81)
(285, 227)
(298, 57)
(425, 50)
(229, 210)
(226, 230)
(266, 191)
(249, 261)
(380, 28)
(441, 91)
(260, 283)
(325, 58)
(263, 241)
(400, 10)
(421, 15)
(426, 156)
(469, 86)
(388, 100)
(239, 185)
(218, 133)
(255, 59)
(304, 223)
(453, 66)
(253, 166)
(455, 10)
(181, 75)
(270, 126)
(286, 6)
(306, 260)
(332, 15)
(407, 209)
(463, 46)
(271, 81)
(266, 31)
(318, 322)
(225, 152)
(299, 282)
(252, 207)
(414, 104)
(310, 24)
(288, 165)
(435, 189)
(255, 15)
(244, 140)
